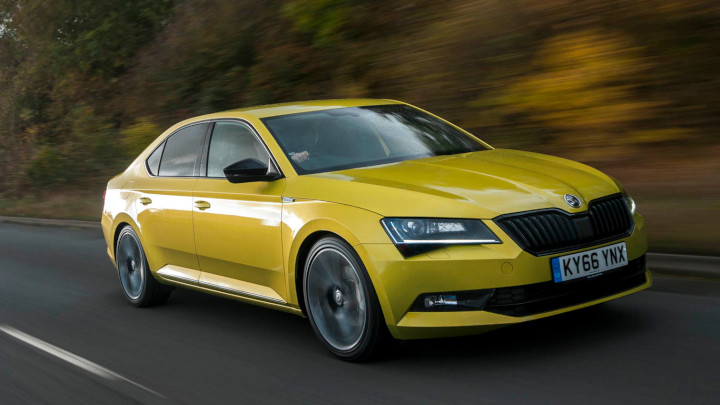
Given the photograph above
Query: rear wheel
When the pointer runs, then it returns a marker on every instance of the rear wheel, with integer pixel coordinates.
(138, 284)
(341, 302)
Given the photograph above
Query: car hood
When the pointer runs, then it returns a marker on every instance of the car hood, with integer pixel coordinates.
(477, 185)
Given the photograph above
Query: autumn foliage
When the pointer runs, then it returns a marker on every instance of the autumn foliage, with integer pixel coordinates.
(85, 85)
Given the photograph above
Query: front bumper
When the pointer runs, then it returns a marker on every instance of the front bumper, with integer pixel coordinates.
(400, 281)
(417, 325)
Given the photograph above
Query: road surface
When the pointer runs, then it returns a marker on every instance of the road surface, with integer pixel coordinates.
(67, 336)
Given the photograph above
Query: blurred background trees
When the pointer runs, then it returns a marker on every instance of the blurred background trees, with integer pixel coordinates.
(630, 86)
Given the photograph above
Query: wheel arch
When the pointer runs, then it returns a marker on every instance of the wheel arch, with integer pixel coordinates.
(121, 221)
(116, 235)
(304, 238)
(307, 235)
(300, 259)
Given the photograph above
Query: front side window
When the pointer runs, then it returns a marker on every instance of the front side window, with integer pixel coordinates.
(230, 143)
(181, 151)
(345, 138)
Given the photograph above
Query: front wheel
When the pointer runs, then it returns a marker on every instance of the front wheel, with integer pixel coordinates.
(341, 302)
(138, 284)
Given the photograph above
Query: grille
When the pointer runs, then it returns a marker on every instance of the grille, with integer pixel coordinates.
(536, 298)
(552, 230)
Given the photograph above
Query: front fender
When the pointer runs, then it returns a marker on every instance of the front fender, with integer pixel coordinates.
(304, 218)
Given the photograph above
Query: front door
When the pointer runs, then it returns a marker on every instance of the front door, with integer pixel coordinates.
(237, 226)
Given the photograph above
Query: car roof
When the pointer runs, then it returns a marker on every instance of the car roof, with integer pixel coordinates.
(272, 110)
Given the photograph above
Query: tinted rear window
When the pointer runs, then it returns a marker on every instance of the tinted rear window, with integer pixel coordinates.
(153, 162)
(181, 151)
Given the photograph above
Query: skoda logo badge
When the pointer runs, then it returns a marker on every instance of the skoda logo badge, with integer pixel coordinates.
(573, 201)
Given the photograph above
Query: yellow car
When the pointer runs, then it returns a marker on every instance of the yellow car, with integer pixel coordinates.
(373, 218)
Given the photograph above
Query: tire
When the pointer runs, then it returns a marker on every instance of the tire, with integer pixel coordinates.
(341, 302)
(137, 282)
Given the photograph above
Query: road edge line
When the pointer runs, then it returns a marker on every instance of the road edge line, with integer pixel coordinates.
(64, 223)
(72, 358)
(691, 266)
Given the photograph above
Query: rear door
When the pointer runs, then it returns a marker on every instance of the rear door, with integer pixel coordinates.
(237, 226)
(164, 203)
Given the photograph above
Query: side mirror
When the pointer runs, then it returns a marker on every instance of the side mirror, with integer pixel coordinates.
(249, 170)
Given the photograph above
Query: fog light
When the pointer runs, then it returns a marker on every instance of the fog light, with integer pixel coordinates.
(432, 301)
(473, 300)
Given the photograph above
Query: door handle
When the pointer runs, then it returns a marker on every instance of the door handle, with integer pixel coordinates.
(145, 200)
(202, 205)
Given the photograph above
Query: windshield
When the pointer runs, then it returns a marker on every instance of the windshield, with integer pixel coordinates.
(351, 137)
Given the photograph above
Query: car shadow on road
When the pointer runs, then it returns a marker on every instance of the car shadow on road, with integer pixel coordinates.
(604, 324)
(566, 334)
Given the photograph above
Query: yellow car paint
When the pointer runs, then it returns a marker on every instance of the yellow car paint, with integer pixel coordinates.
(243, 240)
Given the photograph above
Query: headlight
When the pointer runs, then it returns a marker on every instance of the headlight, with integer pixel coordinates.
(417, 235)
(628, 200)
(630, 203)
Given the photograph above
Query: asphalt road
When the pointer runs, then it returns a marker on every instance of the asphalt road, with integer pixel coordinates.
(67, 336)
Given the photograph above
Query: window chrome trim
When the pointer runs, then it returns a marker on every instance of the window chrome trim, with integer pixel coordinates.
(212, 121)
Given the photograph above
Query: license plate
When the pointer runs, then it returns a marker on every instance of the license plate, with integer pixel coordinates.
(589, 263)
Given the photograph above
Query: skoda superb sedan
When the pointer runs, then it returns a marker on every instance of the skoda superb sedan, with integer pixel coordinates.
(373, 218)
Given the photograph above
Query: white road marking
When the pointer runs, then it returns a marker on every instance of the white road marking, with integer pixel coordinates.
(73, 359)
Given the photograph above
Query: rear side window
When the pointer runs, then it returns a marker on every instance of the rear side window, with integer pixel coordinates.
(153, 162)
(232, 142)
(181, 151)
